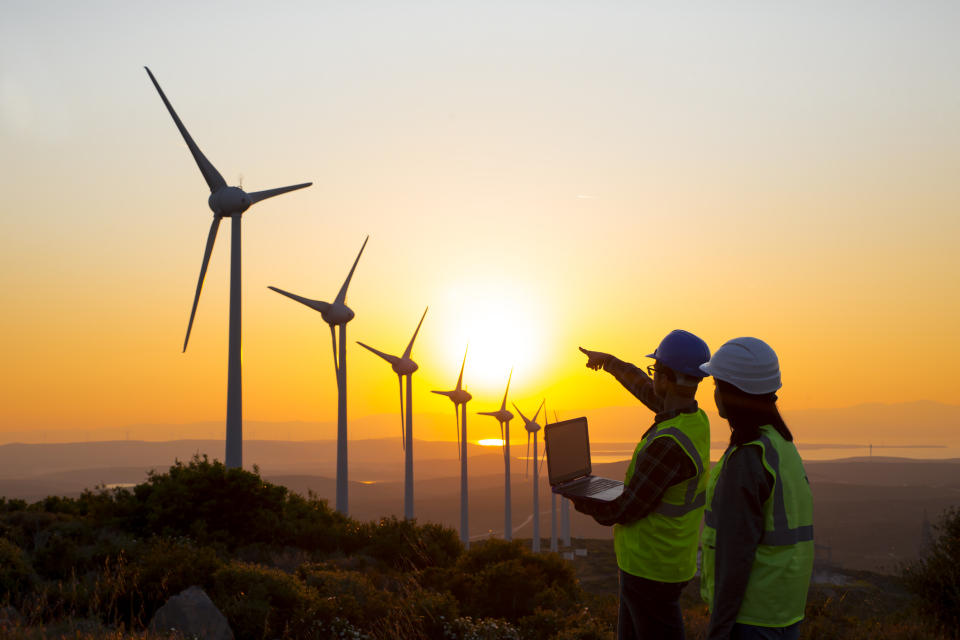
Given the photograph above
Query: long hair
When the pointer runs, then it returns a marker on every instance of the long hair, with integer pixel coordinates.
(747, 412)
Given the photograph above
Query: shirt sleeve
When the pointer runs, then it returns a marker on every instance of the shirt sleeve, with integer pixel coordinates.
(636, 381)
(661, 465)
(742, 488)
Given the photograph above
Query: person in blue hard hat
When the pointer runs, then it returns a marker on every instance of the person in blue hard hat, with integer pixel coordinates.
(757, 538)
(656, 522)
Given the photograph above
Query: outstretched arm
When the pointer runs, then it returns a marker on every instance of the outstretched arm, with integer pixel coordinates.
(633, 379)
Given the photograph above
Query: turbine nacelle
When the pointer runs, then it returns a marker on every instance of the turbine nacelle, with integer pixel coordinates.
(404, 366)
(457, 396)
(502, 416)
(229, 201)
(337, 313)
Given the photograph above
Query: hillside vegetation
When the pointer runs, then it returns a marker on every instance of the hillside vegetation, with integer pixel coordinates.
(280, 565)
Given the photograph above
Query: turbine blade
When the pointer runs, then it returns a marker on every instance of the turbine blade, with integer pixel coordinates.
(406, 353)
(442, 393)
(211, 237)
(487, 413)
(342, 295)
(257, 196)
(460, 379)
(538, 410)
(503, 405)
(403, 431)
(214, 180)
(316, 305)
(520, 412)
(386, 356)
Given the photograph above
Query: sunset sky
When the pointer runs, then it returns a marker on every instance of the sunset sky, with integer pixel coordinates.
(543, 175)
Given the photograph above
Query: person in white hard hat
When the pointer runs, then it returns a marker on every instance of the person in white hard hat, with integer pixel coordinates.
(757, 539)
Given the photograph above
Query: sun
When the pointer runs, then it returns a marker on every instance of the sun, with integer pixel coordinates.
(502, 329)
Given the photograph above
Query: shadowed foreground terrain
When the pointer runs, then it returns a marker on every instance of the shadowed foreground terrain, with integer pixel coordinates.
(279, 565)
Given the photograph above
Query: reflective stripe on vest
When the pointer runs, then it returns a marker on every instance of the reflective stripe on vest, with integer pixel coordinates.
(692, 500)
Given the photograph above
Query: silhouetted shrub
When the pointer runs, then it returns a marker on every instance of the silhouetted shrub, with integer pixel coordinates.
(16, 574)
(260, 602)
(499, 579)
(404, 545)
(935, 577)
(353, 595)
(64, 547)
(430, 611)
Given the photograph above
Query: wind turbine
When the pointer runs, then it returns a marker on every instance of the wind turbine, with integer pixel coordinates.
(532, 427)
(225, 202)
(504, 417)
(460, 398)
(337, 314)
(404, 366)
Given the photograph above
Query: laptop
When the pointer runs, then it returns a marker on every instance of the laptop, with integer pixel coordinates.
(568, 463)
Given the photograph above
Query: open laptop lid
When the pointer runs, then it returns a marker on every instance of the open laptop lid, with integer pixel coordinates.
(568, 450)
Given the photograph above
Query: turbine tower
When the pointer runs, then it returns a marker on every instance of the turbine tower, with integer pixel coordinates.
(504, 417)
(225, 202)
(564, 507)
(404, 366)
(460, 398)
(553, 496)
(532, 427)
(337, 314)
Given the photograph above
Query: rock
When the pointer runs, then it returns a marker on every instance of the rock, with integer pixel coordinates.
(192, 613)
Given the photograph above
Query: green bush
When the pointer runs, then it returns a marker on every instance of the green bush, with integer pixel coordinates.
(404, 545)
(935, 577)
(260, 602)
(16, 574)
(352, 595)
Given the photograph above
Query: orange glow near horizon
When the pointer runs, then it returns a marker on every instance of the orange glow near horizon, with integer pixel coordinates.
(490, 442)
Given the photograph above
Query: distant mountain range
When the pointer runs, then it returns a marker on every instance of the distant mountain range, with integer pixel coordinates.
(912, 423)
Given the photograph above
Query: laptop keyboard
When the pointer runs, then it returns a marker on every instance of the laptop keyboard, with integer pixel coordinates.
(600, 484)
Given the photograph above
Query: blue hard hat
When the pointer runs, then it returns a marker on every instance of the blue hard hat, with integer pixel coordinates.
(683, 352)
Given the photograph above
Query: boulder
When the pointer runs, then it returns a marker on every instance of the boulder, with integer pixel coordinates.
(192, 613)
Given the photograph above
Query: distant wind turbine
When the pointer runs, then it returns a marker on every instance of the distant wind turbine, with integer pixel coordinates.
(404, 366)
(337, 314)
(532, 428)
(225, 202)
(460, 398)
(504, 417)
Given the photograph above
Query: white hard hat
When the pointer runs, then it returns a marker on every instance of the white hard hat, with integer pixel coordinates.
(749, 364)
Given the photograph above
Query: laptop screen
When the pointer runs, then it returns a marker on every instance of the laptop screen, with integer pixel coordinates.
(568, 450)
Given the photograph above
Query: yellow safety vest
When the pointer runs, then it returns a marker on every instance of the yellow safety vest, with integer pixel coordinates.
(776, 592)
(663, 545)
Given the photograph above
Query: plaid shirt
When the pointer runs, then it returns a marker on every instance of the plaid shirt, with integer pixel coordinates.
(661, 465)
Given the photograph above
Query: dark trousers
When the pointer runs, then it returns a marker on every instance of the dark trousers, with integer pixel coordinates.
(649, 610)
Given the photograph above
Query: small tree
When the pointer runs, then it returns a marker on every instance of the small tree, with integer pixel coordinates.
(935, 577)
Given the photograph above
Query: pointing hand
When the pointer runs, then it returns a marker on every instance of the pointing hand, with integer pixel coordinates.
(595, 359)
